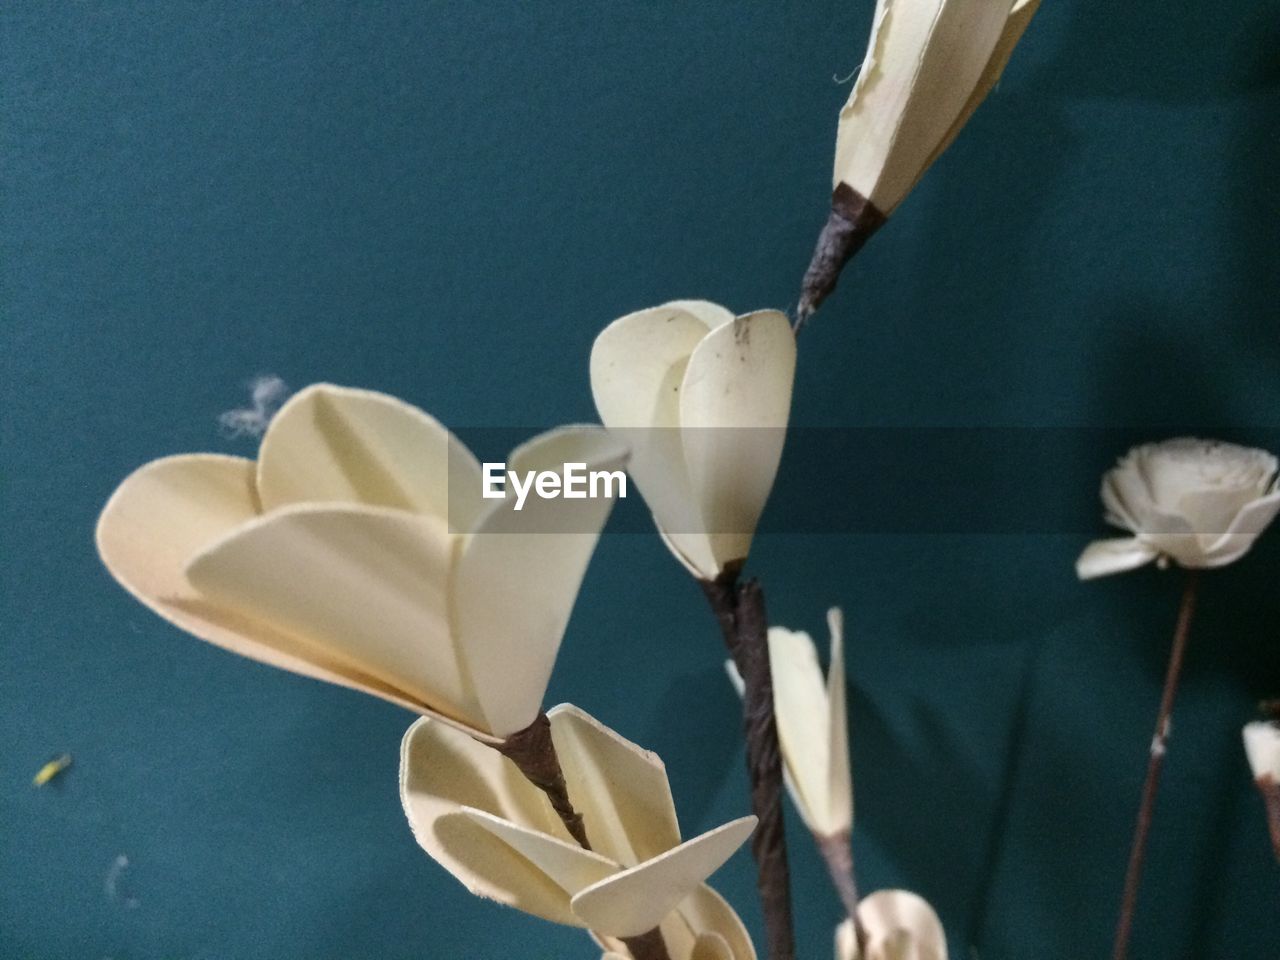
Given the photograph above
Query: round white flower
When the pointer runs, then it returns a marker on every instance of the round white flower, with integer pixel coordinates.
(1199, 503)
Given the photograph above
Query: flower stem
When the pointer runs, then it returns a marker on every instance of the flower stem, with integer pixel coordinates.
(741, 613)
(838, 854)
(1155, 765)
(533, 751)
(647, 946)
(1270, 791)
(851, 222)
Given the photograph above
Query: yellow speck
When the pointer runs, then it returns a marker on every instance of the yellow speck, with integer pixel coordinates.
(51, 770)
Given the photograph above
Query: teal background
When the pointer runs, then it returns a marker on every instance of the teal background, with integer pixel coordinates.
(446, 201)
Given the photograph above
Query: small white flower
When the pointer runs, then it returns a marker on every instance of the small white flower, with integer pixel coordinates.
(928, 66)
(358, 550)
(1262, 745)
(812, 726)
(702, 399)
(899, 925)
(1199, 503)
(474, 813)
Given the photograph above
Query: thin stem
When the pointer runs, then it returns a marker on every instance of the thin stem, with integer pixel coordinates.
(1155, 765)
(838, 855)
(647, 946)
(533, 751)
(1270, 790)
(741, 613)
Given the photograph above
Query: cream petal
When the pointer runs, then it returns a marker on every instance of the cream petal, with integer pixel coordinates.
(735, 402)
(706, 912)
(518, 576)
(571, 867)
(1015, 26)
(169, 510)
(839, 777)
(846, 946)
(1262, 747)
(892, 917)
(637, 366)
(1123, 490)
(927, 58)
(1244, 530)
(443, 771)
(361, 586)
(803, 719)
(333, 444)
(637, 899)
(620, 789)
(1104, 557)
(711, 946)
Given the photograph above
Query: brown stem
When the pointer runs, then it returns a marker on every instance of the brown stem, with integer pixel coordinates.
(741, 614)
(1155, 765)
(533, 751)
(647, 946)
(852, 221)
(1270, 790)
(838, 854)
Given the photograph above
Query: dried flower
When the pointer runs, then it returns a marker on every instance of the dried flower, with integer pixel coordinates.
(1262, 745)
(473, 812)
(929, 64)
(812, 726)
(702, 399)
(335, 556)
(899, 925)
(1199, 503)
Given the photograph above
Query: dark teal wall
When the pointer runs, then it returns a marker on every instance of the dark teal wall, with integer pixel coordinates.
(446, 201)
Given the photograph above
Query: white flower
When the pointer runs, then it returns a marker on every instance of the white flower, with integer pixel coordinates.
(899, 926)
(474, 813)
(928, 66)
(1262, 745)
(702, 399)
(1199, 503)
(335, 556)
(812, 726)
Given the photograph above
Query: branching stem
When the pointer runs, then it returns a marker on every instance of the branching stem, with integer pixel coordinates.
(1155, 766)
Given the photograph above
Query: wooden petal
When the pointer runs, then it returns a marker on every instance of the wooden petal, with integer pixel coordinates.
(899, 917)
(926, 59)
(637, 899)
(839, 777)
(1103, 557)
(1015, 26)
(339, 445)
(711, 946)
(361, 586)
(846, 946)
(443, 772)
(800, 707)
(168, 511)
(637, 366)
(571, 867)
(1252, 519)
(518, 577)
(707, 913)
(735, 402)
(620, 789)
(1262, 747)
